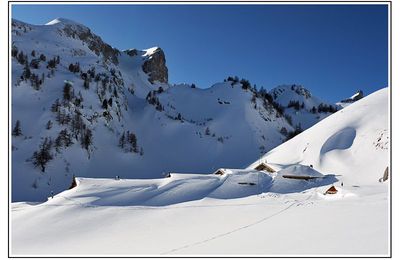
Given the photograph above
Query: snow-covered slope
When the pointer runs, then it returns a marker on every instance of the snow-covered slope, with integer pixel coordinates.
(352, 143)
(238, 212)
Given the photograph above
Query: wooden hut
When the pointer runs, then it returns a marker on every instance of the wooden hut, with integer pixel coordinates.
(219, 172)
(331, 190)
(264, 167)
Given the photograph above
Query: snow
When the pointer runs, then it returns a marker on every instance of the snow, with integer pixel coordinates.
(150, 51)
(355, 95)
(61, 21)
(242, 212)
(193, 212)
(341, 140)
(300, 170)
(111, 218)
(355, 138)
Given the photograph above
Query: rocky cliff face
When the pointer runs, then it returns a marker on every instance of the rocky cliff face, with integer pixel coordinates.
(94, 42)
(156, 67)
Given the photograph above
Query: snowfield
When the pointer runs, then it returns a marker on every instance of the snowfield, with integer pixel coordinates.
(241, 212)
(89, 221)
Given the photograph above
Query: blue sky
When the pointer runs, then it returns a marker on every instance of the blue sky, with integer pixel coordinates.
(333, 50)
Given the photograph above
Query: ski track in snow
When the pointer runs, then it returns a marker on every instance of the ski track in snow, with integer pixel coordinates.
(296, 202)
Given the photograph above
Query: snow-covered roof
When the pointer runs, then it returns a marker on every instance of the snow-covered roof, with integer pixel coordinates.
(300, 170)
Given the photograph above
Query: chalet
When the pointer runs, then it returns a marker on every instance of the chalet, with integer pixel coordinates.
(331, 190)
(264, 167)
(219, 172)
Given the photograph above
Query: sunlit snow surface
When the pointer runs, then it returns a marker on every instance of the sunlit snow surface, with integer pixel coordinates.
(130, 217)
(192, 214)
(243, 212)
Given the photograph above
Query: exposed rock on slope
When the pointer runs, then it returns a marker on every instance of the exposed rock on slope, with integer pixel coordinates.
(94, 42)
(156, 66)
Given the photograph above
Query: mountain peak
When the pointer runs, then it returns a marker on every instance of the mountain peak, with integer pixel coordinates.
(61, 20)
(152, 50)
(155, 66)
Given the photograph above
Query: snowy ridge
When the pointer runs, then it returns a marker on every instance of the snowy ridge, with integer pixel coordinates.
(344, 143)
(63, 21)
(301, 106)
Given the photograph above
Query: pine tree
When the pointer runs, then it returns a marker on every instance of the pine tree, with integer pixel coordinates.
(43, 156)
(21, 58)
(56, 106)
(49, 125)
(313, 110)
(51, 64)
(122, 140)
(133, 142)
(17, 129)
(14, 51)
(77, 124)
(86, 83)
(105, 104)
(67, 92)
(284, 131)
(245, 84)
(27, 72)
(63, 139)
(42, 57)
(86, 139)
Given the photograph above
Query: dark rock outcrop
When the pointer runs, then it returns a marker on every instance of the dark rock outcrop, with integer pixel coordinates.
(131, 52)
(155, 67)
(94, 42)
(359, 95)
